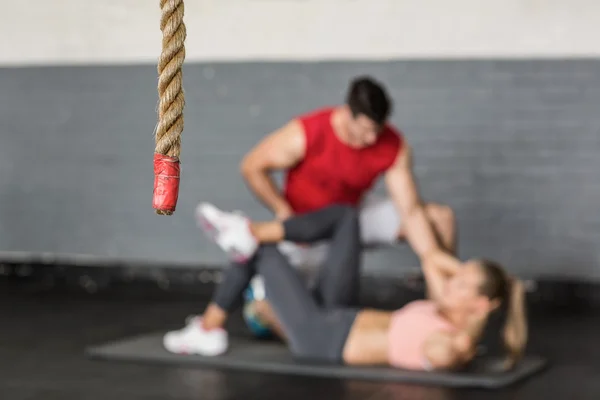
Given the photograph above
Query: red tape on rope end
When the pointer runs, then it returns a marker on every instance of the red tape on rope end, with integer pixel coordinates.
(166, 182)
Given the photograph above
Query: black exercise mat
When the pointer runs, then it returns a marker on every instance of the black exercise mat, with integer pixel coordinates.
(270, 357)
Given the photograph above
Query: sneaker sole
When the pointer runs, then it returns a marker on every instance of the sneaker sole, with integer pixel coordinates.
(189, 352)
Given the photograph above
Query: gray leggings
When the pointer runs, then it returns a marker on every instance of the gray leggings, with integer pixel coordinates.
(316, 324)
(338, 279)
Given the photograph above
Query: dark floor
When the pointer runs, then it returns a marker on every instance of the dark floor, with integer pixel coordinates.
(44, 334)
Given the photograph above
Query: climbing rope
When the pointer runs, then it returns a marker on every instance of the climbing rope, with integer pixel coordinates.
(170, 109)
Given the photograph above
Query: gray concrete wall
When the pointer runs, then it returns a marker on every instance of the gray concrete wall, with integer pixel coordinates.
(511, 145)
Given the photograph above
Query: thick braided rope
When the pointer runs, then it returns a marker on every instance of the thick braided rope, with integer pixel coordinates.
(170, 80)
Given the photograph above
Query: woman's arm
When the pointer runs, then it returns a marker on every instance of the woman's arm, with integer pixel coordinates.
(442, 352)
(438, 266)
(451, 350)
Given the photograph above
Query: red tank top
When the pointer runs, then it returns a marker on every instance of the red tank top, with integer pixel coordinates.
(333, 172)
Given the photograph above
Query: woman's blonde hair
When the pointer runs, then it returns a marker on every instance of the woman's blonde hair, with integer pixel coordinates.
(497, 285)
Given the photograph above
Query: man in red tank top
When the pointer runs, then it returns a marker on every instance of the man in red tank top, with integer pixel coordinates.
(335, 155)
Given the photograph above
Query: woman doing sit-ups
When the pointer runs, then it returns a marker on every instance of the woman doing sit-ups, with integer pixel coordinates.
(441, 332)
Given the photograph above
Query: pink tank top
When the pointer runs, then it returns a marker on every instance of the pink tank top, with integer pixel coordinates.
(409, 328)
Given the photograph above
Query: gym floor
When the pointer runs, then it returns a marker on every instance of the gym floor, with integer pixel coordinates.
(44, 333)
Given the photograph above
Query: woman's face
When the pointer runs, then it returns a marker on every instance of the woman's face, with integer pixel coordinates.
(462, 291)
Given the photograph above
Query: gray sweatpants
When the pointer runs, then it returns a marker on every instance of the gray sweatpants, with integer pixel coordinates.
(316, 324)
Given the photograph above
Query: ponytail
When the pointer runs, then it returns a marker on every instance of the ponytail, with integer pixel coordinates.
(515, 326)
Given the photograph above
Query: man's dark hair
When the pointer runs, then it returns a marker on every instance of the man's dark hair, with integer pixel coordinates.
(368, 97)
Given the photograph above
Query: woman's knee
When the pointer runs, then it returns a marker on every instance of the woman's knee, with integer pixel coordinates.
(380, 221)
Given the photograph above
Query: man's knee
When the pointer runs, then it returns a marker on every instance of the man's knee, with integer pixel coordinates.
(380, 222)
(441, 214)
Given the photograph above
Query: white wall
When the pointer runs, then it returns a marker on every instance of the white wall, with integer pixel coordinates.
(121, 31)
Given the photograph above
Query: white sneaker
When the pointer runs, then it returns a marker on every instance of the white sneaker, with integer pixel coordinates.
(193, 339)
(231, 231)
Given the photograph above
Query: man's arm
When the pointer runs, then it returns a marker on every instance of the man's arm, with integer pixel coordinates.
(437, 264)
(403, 189)
(280, 150)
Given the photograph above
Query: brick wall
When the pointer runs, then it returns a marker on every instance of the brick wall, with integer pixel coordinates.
(511, 145)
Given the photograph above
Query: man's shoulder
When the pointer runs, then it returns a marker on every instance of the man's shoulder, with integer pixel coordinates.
(389, 145)
(314, 123)
(322, 113)
(391, 137)
(390, 130)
